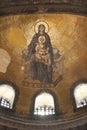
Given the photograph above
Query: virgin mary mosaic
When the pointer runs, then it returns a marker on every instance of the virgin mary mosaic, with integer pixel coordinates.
(40, 55)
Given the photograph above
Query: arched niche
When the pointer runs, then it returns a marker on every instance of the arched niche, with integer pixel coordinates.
(80, 94)
(8, 95)
(45, 103)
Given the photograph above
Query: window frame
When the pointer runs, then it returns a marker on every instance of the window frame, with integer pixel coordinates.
(75, 84)
(4, 103)
(46, 109)
(16, 90)
(57, 109)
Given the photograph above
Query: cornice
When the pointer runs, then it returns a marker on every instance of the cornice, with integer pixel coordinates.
(11, 7)
(57, 124)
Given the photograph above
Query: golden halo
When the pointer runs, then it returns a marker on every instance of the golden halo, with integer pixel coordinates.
(37, 25)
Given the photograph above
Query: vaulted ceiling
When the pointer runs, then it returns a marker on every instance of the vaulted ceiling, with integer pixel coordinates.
(8, 7)
(16, 16)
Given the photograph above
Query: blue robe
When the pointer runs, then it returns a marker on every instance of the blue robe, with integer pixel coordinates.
(38, 70)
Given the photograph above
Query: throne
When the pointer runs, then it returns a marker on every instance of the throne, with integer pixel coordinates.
(58, 71)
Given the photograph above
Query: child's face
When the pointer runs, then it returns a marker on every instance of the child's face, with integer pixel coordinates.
(41, 39)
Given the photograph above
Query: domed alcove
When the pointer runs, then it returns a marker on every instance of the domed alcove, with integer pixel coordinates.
(43, 46)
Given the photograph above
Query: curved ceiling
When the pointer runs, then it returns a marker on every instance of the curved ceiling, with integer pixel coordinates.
(12, 7)
(8, 7)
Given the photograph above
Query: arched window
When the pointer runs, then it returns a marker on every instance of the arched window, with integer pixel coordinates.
(7, 96)
(80, 95)
(44, 104)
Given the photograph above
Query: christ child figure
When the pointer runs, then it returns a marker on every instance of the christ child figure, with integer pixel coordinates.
(42, 52)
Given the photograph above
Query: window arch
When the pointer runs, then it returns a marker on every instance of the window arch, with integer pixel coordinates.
(80, 94)
(7, 95)
(44, 104)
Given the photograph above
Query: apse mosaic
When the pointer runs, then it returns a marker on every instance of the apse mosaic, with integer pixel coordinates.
(44, 64)
(41, 51)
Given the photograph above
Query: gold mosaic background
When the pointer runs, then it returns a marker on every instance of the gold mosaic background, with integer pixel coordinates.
(68, 33)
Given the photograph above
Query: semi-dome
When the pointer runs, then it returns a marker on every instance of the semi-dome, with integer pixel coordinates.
(43, 65)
